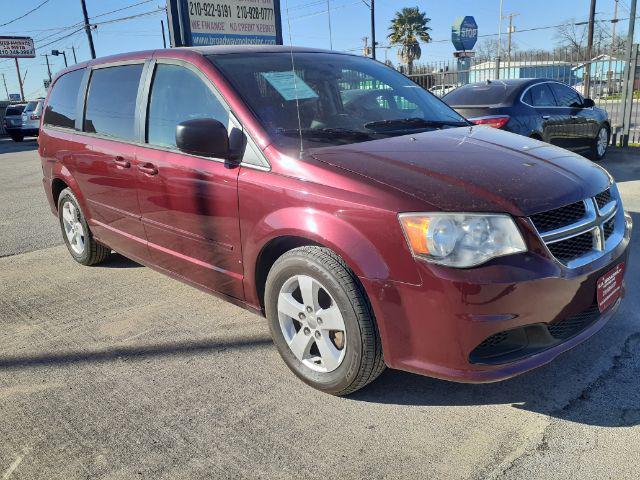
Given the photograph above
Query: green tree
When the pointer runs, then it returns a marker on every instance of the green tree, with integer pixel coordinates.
(408, 28)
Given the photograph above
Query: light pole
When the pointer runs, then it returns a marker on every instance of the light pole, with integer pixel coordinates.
(60, 52)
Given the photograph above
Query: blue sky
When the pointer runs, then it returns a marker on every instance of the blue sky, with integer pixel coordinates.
(309, 26)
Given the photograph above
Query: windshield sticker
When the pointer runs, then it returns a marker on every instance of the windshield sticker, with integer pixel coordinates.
(289, 85)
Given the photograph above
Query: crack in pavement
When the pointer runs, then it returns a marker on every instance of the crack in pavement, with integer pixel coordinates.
(540, 445)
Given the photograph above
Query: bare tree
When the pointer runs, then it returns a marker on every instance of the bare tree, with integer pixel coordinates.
(487, 49)
(574, 37)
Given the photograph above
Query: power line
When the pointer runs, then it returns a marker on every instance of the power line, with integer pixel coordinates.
(522, 30)
(25, 14)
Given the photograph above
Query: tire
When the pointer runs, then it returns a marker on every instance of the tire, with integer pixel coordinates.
(91, 252)
(17, 138)
(597, 153)
(355, 358)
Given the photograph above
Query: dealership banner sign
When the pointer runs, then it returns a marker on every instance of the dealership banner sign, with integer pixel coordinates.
(17, 47)
(224, 22)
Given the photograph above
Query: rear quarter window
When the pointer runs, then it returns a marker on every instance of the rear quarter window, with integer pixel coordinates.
(478, 95)
(61, 109)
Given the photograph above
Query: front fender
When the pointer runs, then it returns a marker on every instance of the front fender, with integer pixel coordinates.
(320, 227)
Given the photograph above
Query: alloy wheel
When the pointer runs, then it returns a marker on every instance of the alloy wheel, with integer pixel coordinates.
(311, 323)
(73, 228)
(602, 142)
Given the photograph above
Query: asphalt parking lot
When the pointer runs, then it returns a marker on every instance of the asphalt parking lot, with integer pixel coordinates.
(116, 371)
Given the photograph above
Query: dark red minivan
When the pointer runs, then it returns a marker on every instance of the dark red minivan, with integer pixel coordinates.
(366, 219)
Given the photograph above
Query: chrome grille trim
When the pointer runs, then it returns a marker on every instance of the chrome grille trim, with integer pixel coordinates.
(594, 223)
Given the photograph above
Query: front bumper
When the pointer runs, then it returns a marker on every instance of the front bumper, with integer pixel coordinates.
(434, 328)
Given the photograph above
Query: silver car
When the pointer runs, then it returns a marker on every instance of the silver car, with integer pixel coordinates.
(13, 121)
(31, 118)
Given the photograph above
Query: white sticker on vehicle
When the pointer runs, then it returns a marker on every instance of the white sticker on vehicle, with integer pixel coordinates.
(289, 85)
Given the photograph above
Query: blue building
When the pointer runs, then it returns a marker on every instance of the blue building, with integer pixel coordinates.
(554, 69)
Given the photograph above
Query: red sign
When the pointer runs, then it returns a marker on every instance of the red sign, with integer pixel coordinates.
(17, 47)
(609, 287)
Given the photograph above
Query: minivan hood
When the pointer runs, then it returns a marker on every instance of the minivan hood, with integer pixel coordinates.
(475, 169)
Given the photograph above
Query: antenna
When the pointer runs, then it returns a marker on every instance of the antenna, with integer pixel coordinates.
(295, 83)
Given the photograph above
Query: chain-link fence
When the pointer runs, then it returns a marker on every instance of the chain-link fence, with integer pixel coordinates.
(614, 80)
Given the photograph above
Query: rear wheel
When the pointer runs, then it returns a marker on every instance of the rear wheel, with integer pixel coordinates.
(321, 321)
(75, 232)
(600, 144)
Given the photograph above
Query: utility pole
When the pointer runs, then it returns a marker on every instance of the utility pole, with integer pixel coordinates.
(511, 30)
(614, 22)
(164, 39)
(73, 49)
(499, 41)
(87, 28)
(373, 29)
(329, 19)
(48, 67)
(19, 79)
(587, 67)
(631, 60)
(4, 80)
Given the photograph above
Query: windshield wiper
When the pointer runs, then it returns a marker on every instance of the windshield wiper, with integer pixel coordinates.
(413, 123)
(324, 133)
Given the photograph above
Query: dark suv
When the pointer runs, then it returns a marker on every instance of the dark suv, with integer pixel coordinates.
(366, 219)
(539, 108)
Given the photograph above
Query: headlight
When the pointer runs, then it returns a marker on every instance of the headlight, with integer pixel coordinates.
(461, 239)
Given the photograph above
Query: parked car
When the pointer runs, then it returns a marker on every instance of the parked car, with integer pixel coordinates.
(31, 119)
(538, 108)
(440, 90)
(371, 229)
(13, 121)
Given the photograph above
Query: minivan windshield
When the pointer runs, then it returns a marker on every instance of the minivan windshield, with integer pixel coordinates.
(331, 99)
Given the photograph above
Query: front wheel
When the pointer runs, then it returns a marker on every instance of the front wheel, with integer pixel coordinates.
(17, 138)
(321, 321)
(75, 232)
(600, 144)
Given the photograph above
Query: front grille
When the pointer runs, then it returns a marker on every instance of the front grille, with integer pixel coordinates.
(571, 326)
(511, 345)
(560, 217)
(493, 341)
(609, 227)
(603, 198)
(577, 234)
(567, 250)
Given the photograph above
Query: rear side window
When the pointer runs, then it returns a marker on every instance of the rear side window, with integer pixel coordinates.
(479, 94)
(111, 101)
(566, 96)
(542, 96)
(178, 94)
(61, 109)
(31, 106)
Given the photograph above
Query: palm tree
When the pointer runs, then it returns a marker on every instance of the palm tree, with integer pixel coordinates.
(408, 28)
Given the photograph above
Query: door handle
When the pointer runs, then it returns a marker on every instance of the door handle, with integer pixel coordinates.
(574, 117)
(546, 117)
(121, 162)
(148, 169)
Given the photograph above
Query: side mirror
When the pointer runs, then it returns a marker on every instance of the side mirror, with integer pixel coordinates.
(588, 103)
(203, 136)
